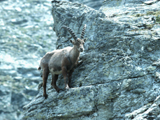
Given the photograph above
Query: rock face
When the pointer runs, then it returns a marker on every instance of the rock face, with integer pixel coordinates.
(96, 4)
(25, 28)
(120, 74)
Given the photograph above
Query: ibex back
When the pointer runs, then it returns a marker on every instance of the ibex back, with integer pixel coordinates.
(62, 61)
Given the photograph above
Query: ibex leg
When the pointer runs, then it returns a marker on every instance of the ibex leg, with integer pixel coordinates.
(45, 77)
(64, 73)
(53, 83)
(69, 76)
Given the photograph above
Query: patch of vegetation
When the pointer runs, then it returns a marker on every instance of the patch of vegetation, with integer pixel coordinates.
(158, 18)
(150, 13)
(155, 13)
(139, 15)
(149, 26)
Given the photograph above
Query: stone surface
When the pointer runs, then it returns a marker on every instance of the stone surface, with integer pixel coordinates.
(149, 111)
(119, 76)
(25, 28)
(96, 4)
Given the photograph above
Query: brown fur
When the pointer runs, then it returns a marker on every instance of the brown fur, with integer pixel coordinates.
(61, 61)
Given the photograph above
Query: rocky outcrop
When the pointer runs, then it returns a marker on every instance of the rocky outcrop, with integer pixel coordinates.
(96, 4)
(25, 28)
(120, 74)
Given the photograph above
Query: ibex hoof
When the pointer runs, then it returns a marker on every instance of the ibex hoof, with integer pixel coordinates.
(58, 90)
(45, 96)
(67, 87)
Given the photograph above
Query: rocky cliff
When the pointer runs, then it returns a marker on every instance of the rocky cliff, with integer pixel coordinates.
(25, 36)
(96, 4)
(120, 74)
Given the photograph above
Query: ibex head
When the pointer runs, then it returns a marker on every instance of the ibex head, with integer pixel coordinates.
(77, 42)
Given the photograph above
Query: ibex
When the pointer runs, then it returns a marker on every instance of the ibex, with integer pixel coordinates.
(62, 61)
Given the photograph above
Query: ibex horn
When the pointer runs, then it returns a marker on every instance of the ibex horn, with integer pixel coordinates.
(83, 31)
(70, 31)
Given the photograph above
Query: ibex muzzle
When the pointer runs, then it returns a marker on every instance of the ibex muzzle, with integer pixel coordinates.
(62, 61)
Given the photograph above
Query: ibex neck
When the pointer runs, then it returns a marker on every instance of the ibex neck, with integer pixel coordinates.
(74, 54)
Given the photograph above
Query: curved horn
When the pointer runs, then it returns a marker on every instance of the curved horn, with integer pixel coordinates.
(70, 31)
(83, 31)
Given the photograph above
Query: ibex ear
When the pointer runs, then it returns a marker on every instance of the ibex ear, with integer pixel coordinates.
(72, 41)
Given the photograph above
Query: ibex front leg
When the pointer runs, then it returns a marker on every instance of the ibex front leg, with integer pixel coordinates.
(65, 75)
(53, 83)
(69, 77)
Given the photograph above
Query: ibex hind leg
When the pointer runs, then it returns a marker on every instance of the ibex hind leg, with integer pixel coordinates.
(53, 83)
(65, 75)
(45, 77)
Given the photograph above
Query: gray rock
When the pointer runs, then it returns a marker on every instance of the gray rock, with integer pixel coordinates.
(118, 77)
(96, 4)
(24, 31)
(149, 111)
